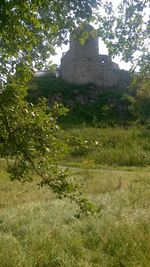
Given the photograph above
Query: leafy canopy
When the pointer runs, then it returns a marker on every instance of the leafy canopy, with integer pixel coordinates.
(126, 31)
(30, 29)
(29, 135)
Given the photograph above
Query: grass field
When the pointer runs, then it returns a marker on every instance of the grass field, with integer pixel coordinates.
(38, 230)
(110, 147)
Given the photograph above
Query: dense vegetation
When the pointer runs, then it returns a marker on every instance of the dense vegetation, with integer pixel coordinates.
(92, 105)
(109, 147)
(30, 31)
(103, 126)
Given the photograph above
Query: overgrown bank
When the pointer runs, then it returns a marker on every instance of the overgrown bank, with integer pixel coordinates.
(92, 105)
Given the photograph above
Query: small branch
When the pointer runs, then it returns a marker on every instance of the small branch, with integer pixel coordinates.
(5, 120)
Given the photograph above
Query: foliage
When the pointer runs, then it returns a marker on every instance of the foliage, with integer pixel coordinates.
(28, 138)
(77, 146)
(47, 86)
(28, 135)
(110, 106)
(31, 29)
(143, 102)
(126, 31)
(113, 108)
(30, 142)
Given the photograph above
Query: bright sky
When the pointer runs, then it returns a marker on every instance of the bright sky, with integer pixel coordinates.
(102, 48)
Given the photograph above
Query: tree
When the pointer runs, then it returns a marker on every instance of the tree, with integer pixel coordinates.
(30, 29)
(126, 31)
(29, 140)
(142, 103)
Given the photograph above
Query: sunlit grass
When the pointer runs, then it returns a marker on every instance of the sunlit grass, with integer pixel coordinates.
(38, 230)
(108, 147)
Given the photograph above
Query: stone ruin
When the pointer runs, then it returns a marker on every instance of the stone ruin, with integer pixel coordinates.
(83, 64)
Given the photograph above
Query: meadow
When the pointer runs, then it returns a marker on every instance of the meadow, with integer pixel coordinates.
(39, 230)
(108, 147)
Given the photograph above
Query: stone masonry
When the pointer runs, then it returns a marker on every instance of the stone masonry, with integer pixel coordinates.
(83, 64)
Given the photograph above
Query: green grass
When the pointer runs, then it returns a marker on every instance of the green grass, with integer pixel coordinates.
(37, 230)
(114, 147)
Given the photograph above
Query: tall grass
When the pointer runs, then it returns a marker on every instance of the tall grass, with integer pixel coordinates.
(110, 146)
(46, 232)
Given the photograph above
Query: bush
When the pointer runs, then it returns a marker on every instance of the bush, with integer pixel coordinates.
(88, 104)
(142, 104)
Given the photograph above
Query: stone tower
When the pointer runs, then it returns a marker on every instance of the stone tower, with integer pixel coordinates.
(82, 64)
(90, 47)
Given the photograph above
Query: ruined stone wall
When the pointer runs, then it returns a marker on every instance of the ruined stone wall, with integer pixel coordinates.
(82, 64)
(89, 48)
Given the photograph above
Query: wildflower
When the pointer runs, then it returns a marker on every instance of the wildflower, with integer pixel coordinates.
(33, 114)
(56, 127)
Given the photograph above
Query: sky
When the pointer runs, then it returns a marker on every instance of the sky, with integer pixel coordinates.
(102, 48)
